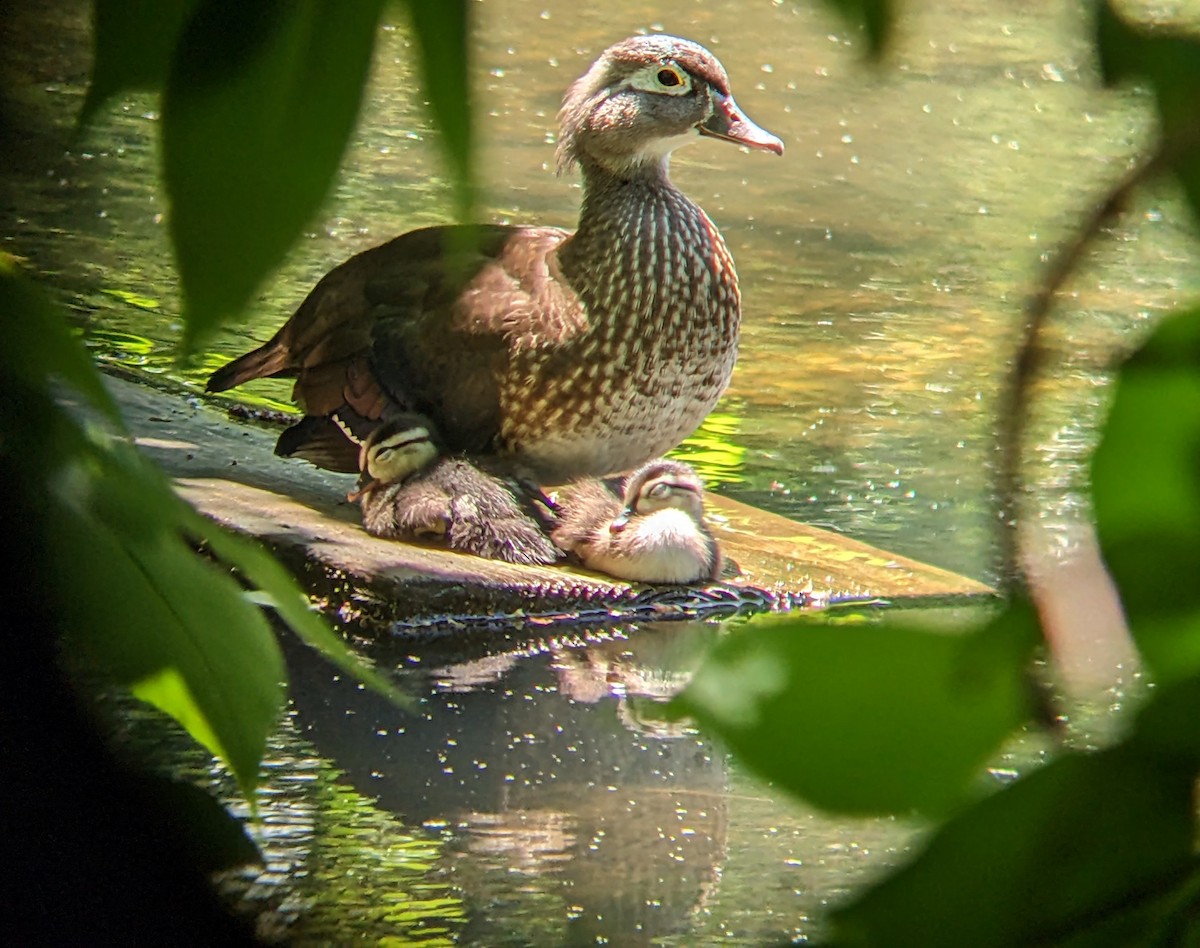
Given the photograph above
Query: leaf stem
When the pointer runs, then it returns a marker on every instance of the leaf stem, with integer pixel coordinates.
(1027, 366)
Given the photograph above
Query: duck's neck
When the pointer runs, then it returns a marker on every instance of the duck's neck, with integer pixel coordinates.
(643, 247)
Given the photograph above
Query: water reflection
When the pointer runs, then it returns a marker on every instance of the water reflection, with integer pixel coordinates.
(572, 810)
(552, 773)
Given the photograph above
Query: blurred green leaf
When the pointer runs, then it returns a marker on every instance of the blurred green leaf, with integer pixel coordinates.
(259, 105)
(154, 616)
(133, 41)
(1166, 725)
(1086, 844)
(441, 30)
(816, 707)
(874, 17)
(215, 840)
(1146, 490)
(38, 346)
(263, 571)
(1169, 62)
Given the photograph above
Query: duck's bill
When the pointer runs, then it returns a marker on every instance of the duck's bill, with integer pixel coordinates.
(621, 521)
(730, 124)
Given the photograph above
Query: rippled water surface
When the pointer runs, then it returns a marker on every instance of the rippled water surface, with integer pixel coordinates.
(883, 262)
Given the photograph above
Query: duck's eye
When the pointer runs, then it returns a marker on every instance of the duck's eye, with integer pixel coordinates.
(662, 79)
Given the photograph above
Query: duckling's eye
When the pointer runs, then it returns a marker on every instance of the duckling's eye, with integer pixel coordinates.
(660, 491)
(669, 78)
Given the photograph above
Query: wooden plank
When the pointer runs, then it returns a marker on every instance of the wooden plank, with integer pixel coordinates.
(228, 470)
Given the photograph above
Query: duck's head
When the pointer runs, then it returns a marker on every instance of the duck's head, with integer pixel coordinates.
(643, 98)
(397, 449)
(659, 485)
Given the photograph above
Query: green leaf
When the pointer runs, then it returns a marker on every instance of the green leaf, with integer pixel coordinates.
(817, 707)
(1146, 490)
(264, 571)
(259, 105)
(1169, 61)
(150, 613)
(214, 839)
(38, 346)
(875, 17)
(1166, 724)
(1079, 845)
(442, 31)
(133, 42)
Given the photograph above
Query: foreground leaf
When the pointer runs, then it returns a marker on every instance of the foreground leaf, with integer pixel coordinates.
(141, 604)
(39, 347)
(215, 839)
(264, 572)
(1146, 489)
(259, 105)
(133, 42)
(866, 718)
(1169, 62)
(1090, 843)
(153, 616)
(442, 30)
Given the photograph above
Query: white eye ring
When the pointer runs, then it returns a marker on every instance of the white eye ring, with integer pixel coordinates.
(655, 79)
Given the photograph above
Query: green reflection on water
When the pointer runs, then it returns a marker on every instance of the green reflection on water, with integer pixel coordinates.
(334, 864)
(713, 450)
(367, 874)
(135, 299)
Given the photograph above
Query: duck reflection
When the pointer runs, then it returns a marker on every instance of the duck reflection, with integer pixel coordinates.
(554, 773)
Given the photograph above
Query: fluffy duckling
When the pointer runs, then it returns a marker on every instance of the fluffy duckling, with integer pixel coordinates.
(408, 492)
(653, 533)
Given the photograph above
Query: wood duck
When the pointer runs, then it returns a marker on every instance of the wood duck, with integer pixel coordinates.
(575, 354)
(408, 492)
(653, 533)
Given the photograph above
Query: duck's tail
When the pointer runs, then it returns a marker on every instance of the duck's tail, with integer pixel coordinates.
(265, 361)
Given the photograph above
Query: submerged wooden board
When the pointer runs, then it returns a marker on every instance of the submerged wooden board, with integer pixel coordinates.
(228, 470)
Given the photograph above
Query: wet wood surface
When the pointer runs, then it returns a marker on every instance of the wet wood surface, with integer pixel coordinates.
(228, 470)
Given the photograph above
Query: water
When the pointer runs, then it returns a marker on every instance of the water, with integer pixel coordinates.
(883, 260)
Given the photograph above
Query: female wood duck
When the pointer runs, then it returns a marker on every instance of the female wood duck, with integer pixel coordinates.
(408, 492)
(574, 354)
(654, 533)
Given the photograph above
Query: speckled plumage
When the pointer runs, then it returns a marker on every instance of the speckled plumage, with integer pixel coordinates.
(653, 531)
(650, 371)
(573, 354)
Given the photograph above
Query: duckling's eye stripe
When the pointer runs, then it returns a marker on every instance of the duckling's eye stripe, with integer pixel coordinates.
(417, 436)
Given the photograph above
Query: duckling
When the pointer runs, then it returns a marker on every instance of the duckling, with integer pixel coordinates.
(653, 533)
(408, 491)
